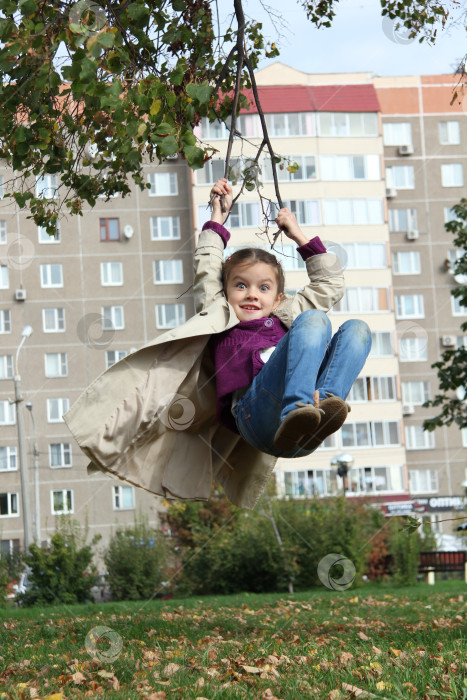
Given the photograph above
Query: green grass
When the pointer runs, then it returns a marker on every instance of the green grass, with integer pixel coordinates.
(391, 642)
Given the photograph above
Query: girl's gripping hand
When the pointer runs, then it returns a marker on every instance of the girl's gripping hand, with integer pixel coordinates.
(289, 224)
(221, 189)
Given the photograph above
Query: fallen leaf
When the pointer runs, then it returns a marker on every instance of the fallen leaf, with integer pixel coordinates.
(363, 636)
(171, 669)
(357, 692)
(251, 669)
(396, 652)
(410, 687)
(158, 695)
(78, 677)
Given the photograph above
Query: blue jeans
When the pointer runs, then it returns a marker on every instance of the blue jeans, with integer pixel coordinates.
(305, 359)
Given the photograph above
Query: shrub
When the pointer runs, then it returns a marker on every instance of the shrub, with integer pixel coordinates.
(405, 548)
(136, 561)
(62, 572)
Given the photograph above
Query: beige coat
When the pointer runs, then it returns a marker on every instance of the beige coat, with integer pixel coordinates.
(150, 418)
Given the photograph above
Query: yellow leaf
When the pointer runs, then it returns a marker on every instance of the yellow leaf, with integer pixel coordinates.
(396, 652)
(54, 696)
(354, 600)
(155, 107)
(141, 129)
(382, 685)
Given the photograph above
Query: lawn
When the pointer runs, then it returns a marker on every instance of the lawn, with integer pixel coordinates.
(374, 641)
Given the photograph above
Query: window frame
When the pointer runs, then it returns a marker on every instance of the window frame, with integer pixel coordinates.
(63, 405)
(117, 496)
(62, 359)
(110, 320)
(58, 318)
(172, 219)
(11, 496)
(181, 316)
(11, 456)
(448, 177)
(64, 493)
(172, 178)
(46, 275)
(106, 268)
(175, 263)
(104, 227)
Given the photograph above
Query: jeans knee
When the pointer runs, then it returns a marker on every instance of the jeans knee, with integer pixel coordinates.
(358, 329)
(313, 317)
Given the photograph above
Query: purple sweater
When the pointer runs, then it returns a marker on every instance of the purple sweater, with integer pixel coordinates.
(236, 352)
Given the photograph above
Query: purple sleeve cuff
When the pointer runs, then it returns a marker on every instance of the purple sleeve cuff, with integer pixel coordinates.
(218, 228)
(313, 247)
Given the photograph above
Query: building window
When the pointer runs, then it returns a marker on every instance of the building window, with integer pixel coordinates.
(372, 389)
(56, 364)
(243, 214)
(56, 408)
(360, 256)
(291, 260)
(348, 124)
(413, 349)
(53, 320)
(109, 229)
(291, 124)
(111, 274)
(311, 482)
(403, 220)
(381, 344)
(306, 169)
(363, 300)
(47, 186)
(164, 228)
(464, 437)
(113, 356)
(8, 505)
(51, 275)
(124, 497)
(450, 215)
(61, 501)
(401, 177)
(214, 130)
(418, 439)
(112, 318)
(6, 366)
(344, 168)
(3, 238)
(2, 190)
(306, 211)
(375, 479)
(449, 133)
(44, 237)
(415, 393)
(9, 547)
(60, 454)
(8, 461)
(5, 321)
(170, 315)
(163, 184)
(452, 175)
(352, 212)
(397, 133)
(168, 271)
(457, 308)
(410, 306)
(7, 413)
(366, 434)
(406, 262)
(214, 169)
(4, 279)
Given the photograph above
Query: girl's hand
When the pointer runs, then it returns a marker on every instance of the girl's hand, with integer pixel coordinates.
(221, 189)
(289, 224)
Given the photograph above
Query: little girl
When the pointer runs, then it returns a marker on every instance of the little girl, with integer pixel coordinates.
(283, 390)
(252, 376)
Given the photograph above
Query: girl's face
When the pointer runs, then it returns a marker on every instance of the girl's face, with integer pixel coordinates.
(252, 290)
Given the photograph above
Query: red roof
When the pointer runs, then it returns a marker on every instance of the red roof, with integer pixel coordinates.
(316, 98)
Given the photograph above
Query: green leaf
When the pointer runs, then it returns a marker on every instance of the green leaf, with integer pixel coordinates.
(106, 39)
(179, 5)
(169, 146)
(194, 156)
(201, 92)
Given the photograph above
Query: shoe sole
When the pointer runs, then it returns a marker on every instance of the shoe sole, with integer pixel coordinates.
(296, 425)
(335, 414)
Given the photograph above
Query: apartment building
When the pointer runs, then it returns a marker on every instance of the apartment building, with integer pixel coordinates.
(425, 154)
(331, 126)
(107, 283)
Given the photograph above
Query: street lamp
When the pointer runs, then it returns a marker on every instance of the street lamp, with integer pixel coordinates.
(37, 514)
(343, 462)
(27, 330)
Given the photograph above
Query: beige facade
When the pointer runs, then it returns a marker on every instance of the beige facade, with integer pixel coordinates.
(114, 279)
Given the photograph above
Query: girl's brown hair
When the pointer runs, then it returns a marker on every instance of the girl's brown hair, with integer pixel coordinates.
(246, 256)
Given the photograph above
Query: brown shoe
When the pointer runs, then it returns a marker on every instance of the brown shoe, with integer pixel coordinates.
(335, 412)
(300, 423)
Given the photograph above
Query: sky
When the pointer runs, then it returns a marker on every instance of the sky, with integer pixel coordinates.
(359, 40)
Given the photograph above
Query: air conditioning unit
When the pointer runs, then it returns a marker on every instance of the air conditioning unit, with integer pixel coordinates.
(391, 192)
(406, 149)
(20, 295)
(407, 409)
(448, 341)
(412, 234)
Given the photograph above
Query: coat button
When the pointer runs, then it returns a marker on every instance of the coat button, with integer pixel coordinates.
(203, 313)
